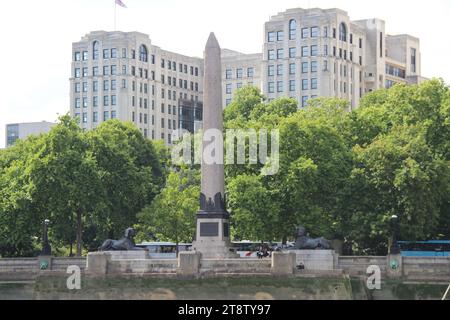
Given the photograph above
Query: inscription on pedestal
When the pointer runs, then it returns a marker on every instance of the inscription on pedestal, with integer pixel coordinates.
(209, 229)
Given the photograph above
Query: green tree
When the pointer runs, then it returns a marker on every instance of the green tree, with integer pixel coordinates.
(172, 215)
(131, 174)
(65, 182)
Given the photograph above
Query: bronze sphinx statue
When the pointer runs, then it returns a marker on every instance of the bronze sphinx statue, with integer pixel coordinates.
(303, 242)
(124, 244)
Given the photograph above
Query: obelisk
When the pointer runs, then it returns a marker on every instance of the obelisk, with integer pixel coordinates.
(213, 220)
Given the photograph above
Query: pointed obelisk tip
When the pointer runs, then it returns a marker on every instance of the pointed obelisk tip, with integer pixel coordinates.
(212, 41)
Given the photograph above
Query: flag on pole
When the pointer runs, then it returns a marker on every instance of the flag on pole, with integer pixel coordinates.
(120, 3)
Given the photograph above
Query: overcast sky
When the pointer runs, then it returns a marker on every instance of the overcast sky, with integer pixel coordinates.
(37, 37)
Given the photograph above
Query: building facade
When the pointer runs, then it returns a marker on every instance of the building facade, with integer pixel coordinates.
(307, 53)
(323, 53)
(23, 130)
(239, 70)
(122, 75)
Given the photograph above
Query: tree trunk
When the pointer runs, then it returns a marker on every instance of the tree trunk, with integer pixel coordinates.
(71, 249)
(79, 234)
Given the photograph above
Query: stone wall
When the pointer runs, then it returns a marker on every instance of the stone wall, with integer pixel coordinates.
(31, 265)
(432, 268)
(412, 268)
(357, 266)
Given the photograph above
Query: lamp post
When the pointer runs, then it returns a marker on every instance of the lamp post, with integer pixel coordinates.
(395, 230)
(46, 248)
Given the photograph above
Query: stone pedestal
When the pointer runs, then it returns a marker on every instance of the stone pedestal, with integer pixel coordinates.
(213, 237)
(283, 263)
(97, 263)
(129, 255)
(189, 263)
(316, 259)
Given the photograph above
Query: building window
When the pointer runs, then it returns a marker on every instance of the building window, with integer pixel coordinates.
(95, 50)
(280, 53)
(85, 87)
(351, 38)
(228, 102)
(413, 60)
(271, 70)
(113, 100)
(280, 86)
(105, 85)
(279, 70)
(250, 72)
(304, 67)
(95, 117)
(313, 83)
(77, 87)
(280, 36)
(106, 101)
(85, 55)
(77, 103)
(77, 73)
(143, 53)
(239, 73)
(381, 44)
(95, 72)
(305, 51)
(106, 116)
(105, 54)
(271, 54)
(85, 117)
(228, 88)
(114, 53)
(271, 36)
(239, 85)
(292, 29)
(291, 85)
(271, 87)
(113, 70)
(360, 43)
(305, 84)
(313, 66)
(95, 101)
(292, 52)
(77, 56)
(228, 74)
(334, 33)
(313, 50)
(304, 101)
(106, 70)
(325, 32)
(85, 102)
(314, 32)
(292, 68)
(305, 33)
(95, 86)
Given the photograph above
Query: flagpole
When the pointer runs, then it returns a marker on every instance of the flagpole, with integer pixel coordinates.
(115, 15)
